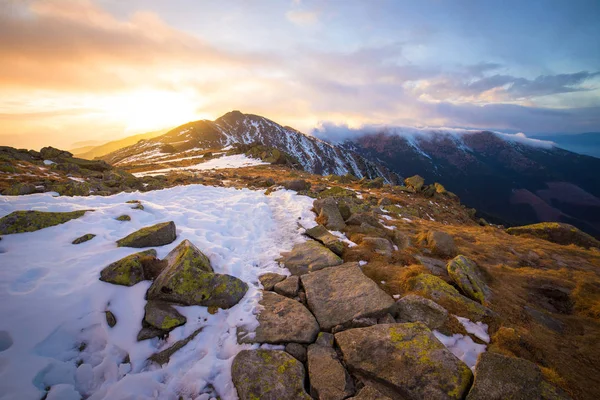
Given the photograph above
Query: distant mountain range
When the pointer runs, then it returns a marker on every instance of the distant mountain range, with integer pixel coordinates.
(583, 143)
(508, 179)
(314, 155)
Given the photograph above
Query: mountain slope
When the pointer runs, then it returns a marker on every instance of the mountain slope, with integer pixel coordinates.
(507, 181)
(314, 155)
(91, 152)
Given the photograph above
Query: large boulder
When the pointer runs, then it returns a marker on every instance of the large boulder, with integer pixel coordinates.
(282, 320)
(467, 277)
(499, 377)
(404, 361)
(308, 257)
(413, 308)
(188, 279)
(329, 212)
(155, 235)
(415, 182)
(556, 232)
(329, 240)
(329, 380)
(337, 295)
(162, 316)
(30, 221)
(268, 375)
(20, 189)
(441, 244)
(129, 270)
(436, 289)
(435, 266)
(298, 185)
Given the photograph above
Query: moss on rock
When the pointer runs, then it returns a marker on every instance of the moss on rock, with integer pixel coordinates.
(127, 271)
(30, 221)
(123, 218)
(465, 274)
(84, 238)
(155, 235)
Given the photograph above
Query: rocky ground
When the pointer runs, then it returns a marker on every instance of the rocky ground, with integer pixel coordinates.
(397, 292)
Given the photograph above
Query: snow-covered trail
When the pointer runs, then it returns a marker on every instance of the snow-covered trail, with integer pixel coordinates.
(51, 300)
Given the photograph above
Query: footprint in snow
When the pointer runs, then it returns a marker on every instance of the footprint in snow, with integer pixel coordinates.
(29, 280)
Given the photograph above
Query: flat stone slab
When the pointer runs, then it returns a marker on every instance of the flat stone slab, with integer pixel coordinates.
(328, 239)
(268, 375)
(337, 295)
(149, 236)
(404, 361)
(282, 320)
(308, 257)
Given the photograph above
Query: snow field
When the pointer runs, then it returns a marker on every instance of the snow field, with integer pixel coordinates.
(53, 330)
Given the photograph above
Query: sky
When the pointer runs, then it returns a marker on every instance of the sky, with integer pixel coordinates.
(79, 71)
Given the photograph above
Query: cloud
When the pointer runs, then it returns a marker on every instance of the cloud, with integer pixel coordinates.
(302, 18)
(339, 133)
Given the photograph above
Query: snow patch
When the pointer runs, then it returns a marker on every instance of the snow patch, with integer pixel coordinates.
(233, 161)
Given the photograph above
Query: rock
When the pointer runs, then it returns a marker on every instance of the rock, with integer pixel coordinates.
(355, 323)
(465, 274)
(410, 362)
(127, 271)
(325, 339)
(137, 204)
(155, 235)
(124, 218)
(30, 221)
(428, 191)
(269, 280)
(111, 320)
(288, 287)
(435, 266)
(414, 182)
(413, 308)
(297, 185)
(364, 218)
(441, 244)
(20, 189)
(162, 316)
(556, 232)
(369, 393)
(337, 295)
(379, 245)
(268, 375)
(164, 356)
(436, 289)
(84, 238)
(282, 320)
(376, 183)
(500, 377)
(308, 257)
(326, 238)
(188, 279)
(297, 350)
(149, 332)
(545, 319)
(48, 153)
(330, 213)
(329, 380)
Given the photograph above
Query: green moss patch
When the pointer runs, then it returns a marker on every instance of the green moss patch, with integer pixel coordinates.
(30, 221)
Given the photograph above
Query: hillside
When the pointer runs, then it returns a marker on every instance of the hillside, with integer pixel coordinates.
(91, 152)
(509, 182)
(301, 286)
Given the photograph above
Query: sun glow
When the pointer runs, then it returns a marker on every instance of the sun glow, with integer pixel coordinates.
(147, 110)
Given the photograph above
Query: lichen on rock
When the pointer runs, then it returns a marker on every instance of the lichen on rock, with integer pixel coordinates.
(30, 221)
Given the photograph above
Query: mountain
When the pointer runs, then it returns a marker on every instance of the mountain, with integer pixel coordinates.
(583, 143)
(508, 181)
(234, 128)
(91, 152)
